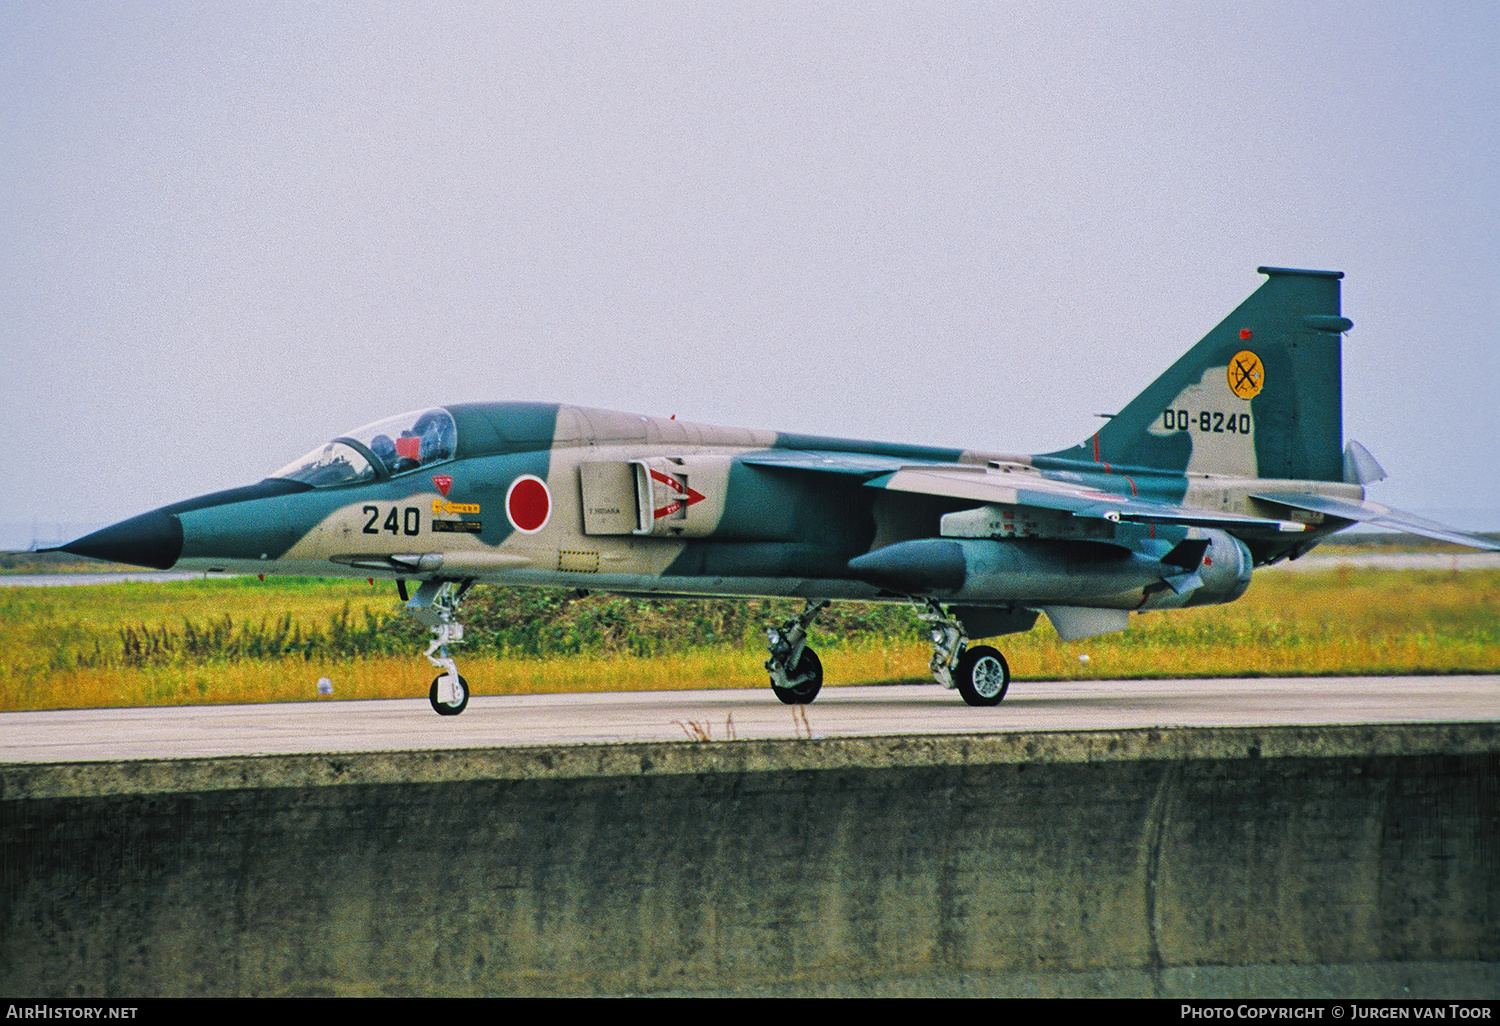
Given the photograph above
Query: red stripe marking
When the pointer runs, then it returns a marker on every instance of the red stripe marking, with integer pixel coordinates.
(667, 480)
(1133, 493)
(1096, 447)
(689, 495)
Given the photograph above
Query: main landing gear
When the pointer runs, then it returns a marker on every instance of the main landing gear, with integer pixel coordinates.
(796, 672)
(436, 605)
(980, 674)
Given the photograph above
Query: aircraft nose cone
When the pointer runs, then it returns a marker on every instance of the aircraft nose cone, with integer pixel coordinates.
(152, 539)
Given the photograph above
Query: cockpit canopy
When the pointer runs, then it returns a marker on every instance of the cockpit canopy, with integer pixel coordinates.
(396, 445)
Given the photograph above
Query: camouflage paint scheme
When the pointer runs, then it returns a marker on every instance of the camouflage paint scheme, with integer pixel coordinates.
(1232, 459)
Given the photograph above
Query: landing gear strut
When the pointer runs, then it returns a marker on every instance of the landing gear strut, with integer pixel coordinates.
(436, 605)
(980, 674)
(796, 672)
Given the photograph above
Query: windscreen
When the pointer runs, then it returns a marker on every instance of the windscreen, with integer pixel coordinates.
(398, 445)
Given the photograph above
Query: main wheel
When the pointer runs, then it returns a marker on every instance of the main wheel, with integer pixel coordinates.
(442, 709)
(982, 676)
(804, 693)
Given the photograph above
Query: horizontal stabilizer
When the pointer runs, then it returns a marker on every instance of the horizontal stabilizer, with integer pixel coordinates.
(1367, 512)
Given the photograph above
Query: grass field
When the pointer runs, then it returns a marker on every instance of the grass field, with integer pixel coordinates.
(244, 640)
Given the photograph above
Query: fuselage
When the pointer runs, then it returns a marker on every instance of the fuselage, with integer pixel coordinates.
(561, 496)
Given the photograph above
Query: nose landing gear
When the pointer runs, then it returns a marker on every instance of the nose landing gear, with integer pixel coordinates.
(436, 605)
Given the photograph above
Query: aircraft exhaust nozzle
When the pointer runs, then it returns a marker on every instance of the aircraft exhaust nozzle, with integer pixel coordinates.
(152, 539)
(1221, 575)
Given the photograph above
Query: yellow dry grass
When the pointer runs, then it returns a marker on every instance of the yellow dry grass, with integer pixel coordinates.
(1340, 622)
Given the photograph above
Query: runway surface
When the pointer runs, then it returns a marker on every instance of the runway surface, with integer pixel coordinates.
(80, 579)
(1391, 561)
(406, 725)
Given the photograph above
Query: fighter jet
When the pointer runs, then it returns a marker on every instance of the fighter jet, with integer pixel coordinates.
(1231, 460)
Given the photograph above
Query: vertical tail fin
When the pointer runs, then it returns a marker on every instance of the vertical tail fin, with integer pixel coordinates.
(1260, 396)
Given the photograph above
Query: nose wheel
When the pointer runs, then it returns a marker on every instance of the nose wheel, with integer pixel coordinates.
(449, 698)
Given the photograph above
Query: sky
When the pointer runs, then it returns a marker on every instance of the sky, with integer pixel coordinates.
(233, 231)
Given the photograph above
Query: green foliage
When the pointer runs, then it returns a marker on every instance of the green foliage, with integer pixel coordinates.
(523, 622)
(220, 639)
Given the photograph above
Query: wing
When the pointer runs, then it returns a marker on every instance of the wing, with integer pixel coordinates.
(849, 464)
(1023, 486)
(986, 484)
(1011, 489)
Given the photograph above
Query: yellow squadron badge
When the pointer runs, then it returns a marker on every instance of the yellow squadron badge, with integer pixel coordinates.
(1246, 374)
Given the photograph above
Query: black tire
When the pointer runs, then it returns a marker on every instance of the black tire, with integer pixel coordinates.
(804, 693)
(982, 676)
(448, 710)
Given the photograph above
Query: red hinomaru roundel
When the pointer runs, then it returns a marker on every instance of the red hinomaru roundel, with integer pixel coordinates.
(528, 504)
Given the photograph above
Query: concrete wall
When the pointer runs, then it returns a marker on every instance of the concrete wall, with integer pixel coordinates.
(1347, 861)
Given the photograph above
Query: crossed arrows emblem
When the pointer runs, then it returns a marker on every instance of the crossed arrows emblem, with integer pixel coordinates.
(1246, 375)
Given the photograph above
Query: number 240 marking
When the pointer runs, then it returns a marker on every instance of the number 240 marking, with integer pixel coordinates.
(400, 521)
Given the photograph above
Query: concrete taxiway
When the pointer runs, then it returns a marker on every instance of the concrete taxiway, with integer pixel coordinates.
(490, 722)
